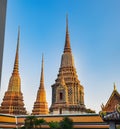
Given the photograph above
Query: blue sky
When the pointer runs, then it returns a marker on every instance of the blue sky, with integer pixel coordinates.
(94, 27)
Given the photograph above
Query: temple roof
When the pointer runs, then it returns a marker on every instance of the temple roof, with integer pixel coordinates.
(113, 116)
(87, 121)
(112, 101)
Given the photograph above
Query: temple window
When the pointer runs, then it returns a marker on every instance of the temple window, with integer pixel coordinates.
(61, 96)
(60, 111)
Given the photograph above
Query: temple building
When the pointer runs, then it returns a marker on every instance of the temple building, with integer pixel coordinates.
(41, 105)
(67, 92)
(112, 101)
(13, 98)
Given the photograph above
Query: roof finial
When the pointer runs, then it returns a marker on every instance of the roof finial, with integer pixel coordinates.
(67, 47)
(115, 86)
(102, 106)
(16, 63)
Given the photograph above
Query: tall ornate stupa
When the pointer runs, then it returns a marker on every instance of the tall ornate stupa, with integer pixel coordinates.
(40, 105)
(13, 98)
(67, 92)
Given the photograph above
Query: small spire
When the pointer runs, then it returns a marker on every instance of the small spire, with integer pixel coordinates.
(42, 73)
(62, 81)
(115, 86)
(40, 105)
(102, 106)
(67, 23)
(16, 63)
(67, 47)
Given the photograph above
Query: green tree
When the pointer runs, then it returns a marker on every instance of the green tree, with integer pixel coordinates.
(66, 123)
(40, 122)
(30, 122)
(36, 122)
(54, 125)
(90, 111)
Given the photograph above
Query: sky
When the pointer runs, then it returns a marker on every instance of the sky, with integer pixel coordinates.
(94, 27)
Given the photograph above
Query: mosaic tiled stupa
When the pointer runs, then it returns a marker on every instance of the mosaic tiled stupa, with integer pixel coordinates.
(13, 98)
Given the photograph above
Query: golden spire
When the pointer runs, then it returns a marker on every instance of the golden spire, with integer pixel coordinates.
(67, 58)
(16, 63)
(67, 47)
(42, 74)
(115, 86)
(13, 98)
(40, 105)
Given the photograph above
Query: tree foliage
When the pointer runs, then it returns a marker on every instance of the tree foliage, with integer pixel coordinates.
(66, 123)
(32, 122)
(54, 125)
(40, 122)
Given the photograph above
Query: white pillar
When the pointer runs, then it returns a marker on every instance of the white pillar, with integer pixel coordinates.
(16, 122)
(112, 125)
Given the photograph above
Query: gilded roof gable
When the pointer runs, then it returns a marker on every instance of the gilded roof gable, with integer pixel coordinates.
(112, 101)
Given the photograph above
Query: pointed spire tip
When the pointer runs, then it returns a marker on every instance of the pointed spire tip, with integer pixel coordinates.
(16, 63)
(42, 74)
(67, 23)
(115, 86)
(67, 47)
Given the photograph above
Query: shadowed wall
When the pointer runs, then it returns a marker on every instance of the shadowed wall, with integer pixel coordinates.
(3, 4)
